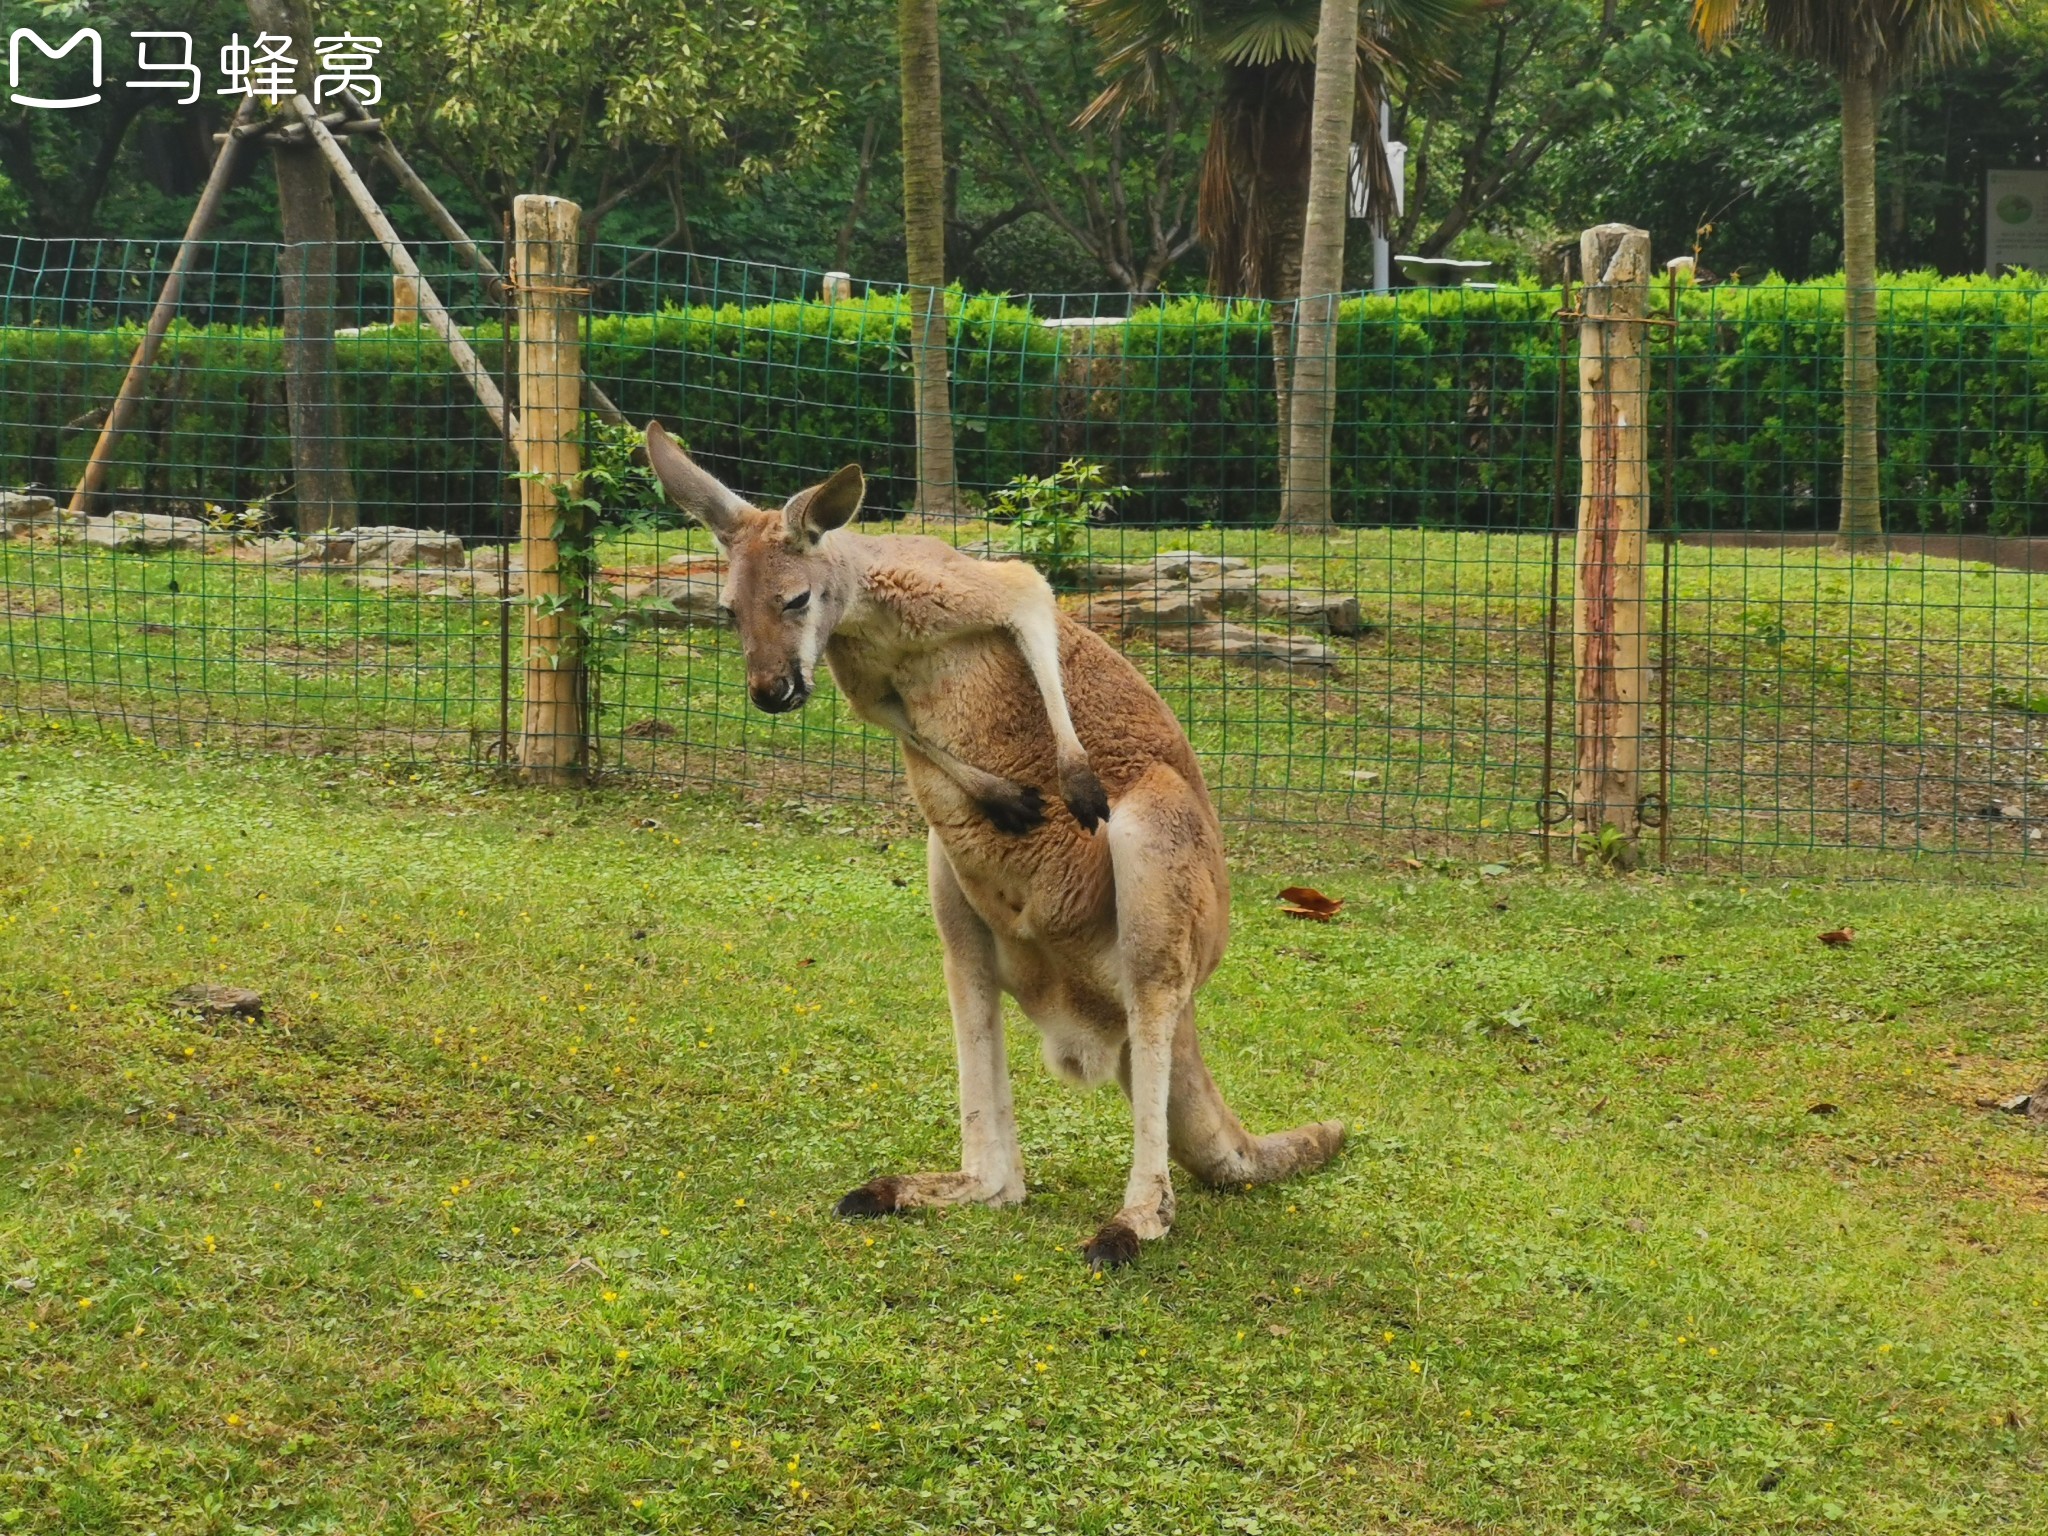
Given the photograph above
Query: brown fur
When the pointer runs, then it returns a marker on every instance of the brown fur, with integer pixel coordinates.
(1102, 936)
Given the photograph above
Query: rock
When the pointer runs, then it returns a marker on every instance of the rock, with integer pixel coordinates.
(23, 514)
(491, 557)
(687, 597)
(989, 549)
(1331, 612)
(1191, 565)
(1119, 613)
(2014, 1104)
(1156, 605)
(388, 547)
(282, 550)
(215, 1001)
(145, 532)
(1239, 642)
(428, 581)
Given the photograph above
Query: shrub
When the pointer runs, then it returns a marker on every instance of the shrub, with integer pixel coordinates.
(1445, 405)
(1049, 514)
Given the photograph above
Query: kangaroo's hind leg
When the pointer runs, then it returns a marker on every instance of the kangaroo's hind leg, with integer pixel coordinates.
(1171, 911)
(991, 1168)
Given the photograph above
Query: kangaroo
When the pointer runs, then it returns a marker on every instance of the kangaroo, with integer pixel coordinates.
(1075, 859)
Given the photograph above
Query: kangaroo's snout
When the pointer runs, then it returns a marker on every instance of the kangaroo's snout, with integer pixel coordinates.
(779, 695)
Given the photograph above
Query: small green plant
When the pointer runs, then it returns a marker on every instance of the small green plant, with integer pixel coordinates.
(1609, 848)
(1049, 514)
(253, 518)
(1768, 626)
(625, 491)
(2020, 699)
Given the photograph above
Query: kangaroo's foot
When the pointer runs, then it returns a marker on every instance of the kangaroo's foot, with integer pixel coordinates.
(894, 1193)
(1012, 809)
(1086, 799)
(1143, 1220)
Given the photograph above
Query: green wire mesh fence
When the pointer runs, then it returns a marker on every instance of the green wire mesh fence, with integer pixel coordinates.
(1407, 678)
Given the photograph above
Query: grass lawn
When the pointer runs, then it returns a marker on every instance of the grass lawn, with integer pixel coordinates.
(514, 1212)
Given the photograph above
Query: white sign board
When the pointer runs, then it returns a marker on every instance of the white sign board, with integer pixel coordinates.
(2015, 221)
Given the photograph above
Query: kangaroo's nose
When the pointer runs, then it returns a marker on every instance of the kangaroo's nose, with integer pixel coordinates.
(777, 695)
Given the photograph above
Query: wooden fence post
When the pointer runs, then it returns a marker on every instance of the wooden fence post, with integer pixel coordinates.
(1614, 507)
(545, 269)
(405, 301)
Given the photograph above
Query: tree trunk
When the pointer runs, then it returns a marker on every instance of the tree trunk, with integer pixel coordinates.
(323, 491)
(1282, 269)
(924, 240)
(1305, 467)
(1862, 511)
(858, 203)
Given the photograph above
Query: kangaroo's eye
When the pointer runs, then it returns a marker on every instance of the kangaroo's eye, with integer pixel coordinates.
(798, 603)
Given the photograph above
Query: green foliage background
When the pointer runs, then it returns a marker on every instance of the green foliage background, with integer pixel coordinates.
(1445, 413)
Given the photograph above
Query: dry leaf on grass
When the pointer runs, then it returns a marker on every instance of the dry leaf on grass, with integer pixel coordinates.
(1838, 938)
(1300, 901)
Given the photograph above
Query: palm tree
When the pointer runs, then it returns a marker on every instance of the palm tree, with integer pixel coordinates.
(924, 238)
(1305, 455)
(1864, 44)
(1253, 200)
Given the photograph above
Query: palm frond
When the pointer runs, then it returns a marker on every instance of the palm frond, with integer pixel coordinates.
(1881, 37)
(1270, 38)
(1714, 20)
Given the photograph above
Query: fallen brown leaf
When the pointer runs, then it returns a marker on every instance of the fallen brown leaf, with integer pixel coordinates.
(1838, 938)
(1299, 901)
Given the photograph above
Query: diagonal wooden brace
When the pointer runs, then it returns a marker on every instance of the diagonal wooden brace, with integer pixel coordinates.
(436, 313)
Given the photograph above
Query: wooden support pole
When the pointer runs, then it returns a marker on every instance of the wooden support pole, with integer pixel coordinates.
(1614, 514)
(545, 268)
(122, 411)
(432, 310)
(594, 399)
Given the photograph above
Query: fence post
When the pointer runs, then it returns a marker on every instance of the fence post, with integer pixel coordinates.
(1614, 507)
(405, 301)
(545, 230)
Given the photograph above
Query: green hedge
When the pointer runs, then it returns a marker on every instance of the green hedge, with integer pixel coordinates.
(1445, 405)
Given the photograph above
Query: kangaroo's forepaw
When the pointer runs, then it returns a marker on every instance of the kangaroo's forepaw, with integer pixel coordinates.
(1016, 812)
(1085, 797)
(1111, 1248)
(877, 1197)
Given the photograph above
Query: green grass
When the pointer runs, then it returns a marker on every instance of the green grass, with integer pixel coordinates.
(513, 1214)
(1819, 702)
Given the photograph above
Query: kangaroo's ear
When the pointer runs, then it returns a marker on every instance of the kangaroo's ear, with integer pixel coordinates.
(693, 488)
(832, 503)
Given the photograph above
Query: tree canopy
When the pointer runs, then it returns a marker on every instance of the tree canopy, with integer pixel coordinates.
(768, 129)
